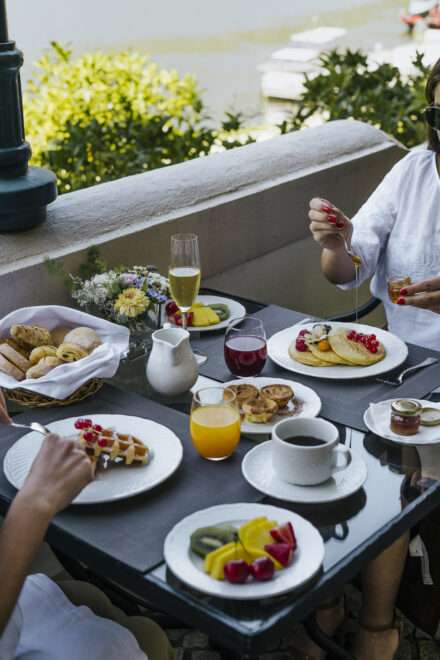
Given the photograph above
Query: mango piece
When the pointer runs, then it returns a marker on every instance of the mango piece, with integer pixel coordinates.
(203, 315)
(211, 556)
(254, 535)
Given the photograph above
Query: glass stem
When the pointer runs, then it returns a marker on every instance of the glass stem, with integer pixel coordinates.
(184, 320)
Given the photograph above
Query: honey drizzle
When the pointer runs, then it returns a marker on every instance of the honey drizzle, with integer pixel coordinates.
(357, 265)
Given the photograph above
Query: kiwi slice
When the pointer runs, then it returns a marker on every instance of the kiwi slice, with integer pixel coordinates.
(221, 310)
(206, 539)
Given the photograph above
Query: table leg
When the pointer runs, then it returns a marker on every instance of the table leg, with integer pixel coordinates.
(324, 641)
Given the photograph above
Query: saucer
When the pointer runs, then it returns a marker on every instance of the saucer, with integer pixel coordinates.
(258, 471)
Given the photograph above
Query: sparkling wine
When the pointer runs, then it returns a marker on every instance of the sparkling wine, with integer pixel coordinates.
(184, 286)
(245, 355)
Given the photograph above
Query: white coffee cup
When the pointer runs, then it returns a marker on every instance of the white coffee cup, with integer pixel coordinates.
(303, 464)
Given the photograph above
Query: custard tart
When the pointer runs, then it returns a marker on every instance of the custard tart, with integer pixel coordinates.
(281, 394)
(259, 411)
(244, 392)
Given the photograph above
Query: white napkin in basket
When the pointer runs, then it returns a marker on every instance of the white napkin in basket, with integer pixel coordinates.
(62, 381)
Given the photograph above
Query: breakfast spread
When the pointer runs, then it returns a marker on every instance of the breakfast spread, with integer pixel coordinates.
(255, 550)
(200, 315)
(260, 405)
(325, 346)
(98, 441)
(32, 351)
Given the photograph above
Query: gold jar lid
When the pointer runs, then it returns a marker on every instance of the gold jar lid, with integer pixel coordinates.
(406, 407)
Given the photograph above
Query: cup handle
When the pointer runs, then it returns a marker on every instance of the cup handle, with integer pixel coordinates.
(338, 451)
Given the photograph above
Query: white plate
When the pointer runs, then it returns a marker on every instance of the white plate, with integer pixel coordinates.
(258, 471)
(427, 435)
(237, 311)
(308, 401)
(118, 482)
(188, 567)
(396, 353)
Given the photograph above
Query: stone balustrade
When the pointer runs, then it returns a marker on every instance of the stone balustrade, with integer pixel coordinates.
(248, 206)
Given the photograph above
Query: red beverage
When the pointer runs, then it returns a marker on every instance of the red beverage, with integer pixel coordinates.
(245, 355)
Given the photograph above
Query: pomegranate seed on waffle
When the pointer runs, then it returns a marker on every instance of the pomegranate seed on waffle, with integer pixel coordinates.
(97, 441)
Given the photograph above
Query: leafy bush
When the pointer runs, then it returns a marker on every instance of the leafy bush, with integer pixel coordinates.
(105, 116)
(349, 87)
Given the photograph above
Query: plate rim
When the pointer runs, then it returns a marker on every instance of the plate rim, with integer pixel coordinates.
(218, 326)
(293, 384)
(239, 507)
(112, 498)
(263, 446)
(410, 441)
(346, 373)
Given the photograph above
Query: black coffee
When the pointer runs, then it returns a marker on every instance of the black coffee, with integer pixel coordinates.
(304, 441)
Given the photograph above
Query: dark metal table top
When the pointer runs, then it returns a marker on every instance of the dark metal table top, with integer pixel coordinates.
(402, 487)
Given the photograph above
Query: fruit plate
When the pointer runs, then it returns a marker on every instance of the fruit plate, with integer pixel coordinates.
(377, 420)
(188, 567)
(396, 353)
(237, 311)
(118, 481)
(306, 403)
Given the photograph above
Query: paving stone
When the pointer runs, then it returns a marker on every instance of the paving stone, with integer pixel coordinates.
(275, 656)
(195, 640)
(205, 655)
(175, 635)
(406, 650)
(428, 650)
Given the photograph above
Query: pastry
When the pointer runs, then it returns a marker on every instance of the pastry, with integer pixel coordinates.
(31, 335)
(86, 338)
(96, 441)
(358, 348)
(40, 352)
(281, 394)
(259, 411)
(58, 334)
(14, 356)
(43, 367)
(70, 352)
(20, 349)
(244, 392)
(10, 369)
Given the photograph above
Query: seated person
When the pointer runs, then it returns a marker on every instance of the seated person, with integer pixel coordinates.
(396, 232)
(37, 618)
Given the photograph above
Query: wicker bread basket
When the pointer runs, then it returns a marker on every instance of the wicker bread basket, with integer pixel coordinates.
(34, 400)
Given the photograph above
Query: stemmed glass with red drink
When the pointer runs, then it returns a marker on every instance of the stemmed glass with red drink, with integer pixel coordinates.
(245, 347)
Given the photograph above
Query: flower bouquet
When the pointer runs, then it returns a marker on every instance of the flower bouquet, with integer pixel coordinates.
(130, 296)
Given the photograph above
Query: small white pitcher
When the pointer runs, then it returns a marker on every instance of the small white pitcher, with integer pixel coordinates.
(172, 366)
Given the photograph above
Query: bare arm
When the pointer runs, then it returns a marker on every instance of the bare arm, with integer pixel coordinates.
(59, 472)
(328, 225)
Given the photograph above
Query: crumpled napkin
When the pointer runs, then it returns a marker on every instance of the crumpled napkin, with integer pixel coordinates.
(62, 381)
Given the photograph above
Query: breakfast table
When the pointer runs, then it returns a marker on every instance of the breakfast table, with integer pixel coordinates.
(122, 542)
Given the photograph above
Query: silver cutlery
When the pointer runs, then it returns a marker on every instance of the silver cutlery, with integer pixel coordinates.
(33, 426)
(399, 379)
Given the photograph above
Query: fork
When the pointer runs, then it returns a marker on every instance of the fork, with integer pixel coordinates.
(33, 426)
(399, 379)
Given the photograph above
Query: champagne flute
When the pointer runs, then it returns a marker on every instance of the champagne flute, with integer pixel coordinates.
(184, 272)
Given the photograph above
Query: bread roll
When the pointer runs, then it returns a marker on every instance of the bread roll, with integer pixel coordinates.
(43, 367)
(15, 357)
(58, 335)
(87, 338)
(41, 352)
(10, 369)
(31, 335)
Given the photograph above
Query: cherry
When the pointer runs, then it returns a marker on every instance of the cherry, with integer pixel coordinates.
(236, 571)
(262, 569)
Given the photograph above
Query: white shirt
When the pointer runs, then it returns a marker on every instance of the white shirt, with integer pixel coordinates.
(397, 231)
(46, 626)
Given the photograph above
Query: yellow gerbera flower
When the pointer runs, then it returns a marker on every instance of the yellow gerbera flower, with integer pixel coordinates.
(132, 302)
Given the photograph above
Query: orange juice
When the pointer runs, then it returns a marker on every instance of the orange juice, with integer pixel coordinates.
(215, 430)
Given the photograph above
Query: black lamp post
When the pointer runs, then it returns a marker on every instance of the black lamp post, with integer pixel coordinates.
(25, 191)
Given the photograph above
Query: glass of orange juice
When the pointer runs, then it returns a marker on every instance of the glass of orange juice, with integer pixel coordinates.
(215, 422)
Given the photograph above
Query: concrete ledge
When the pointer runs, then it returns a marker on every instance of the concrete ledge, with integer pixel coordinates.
(244, 204)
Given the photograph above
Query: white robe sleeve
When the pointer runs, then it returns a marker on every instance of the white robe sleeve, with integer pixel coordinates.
(11, 635)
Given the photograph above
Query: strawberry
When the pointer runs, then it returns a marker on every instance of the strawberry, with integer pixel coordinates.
(284, 534)
(282, 552)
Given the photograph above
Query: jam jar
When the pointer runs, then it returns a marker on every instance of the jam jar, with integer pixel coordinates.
(405, 416)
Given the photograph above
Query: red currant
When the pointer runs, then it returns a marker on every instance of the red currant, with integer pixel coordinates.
(301, 346)
(98, 428)
(89, 437)
(102, 442)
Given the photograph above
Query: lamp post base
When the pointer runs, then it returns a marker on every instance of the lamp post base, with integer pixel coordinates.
(23, 199)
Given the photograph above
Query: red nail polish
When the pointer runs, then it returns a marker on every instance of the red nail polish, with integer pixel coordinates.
(326, 208)
(401, 301)
(331, 219)
(403, 292)
(340, 225)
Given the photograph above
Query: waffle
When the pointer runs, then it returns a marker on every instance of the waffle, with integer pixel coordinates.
(114, 445)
